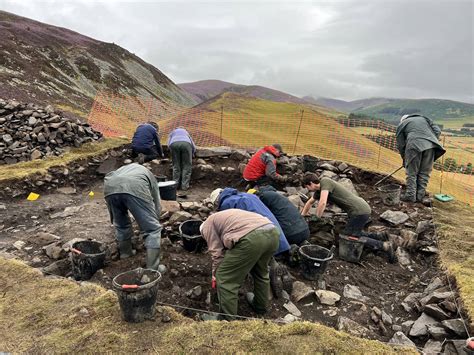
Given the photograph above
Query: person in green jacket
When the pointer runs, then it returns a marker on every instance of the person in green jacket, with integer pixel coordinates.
(134, 188)
(417, 142)
(358, 211)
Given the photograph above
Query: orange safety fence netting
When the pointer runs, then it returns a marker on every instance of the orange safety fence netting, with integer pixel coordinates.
(368, 144)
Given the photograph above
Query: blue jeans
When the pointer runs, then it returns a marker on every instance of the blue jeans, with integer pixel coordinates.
(355, 226)
(144, 213)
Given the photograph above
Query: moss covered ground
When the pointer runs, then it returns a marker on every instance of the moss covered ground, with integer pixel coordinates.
(40, 166)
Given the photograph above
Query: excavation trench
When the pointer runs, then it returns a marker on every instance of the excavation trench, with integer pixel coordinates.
(37, 232)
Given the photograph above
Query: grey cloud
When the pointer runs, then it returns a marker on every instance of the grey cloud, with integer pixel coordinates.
(342, 49)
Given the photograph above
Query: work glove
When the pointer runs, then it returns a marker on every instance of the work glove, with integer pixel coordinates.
(282, 179)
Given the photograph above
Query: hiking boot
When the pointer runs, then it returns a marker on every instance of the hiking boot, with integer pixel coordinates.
(382, 236)
(294, 259)
(250, 296)
(388, 248)
(407, 198)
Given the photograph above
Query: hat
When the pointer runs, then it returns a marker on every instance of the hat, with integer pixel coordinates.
(251, 191)
(215, 195)
(404, 117)
(279, 147)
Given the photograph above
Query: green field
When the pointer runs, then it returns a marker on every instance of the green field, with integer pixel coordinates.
(455, 123)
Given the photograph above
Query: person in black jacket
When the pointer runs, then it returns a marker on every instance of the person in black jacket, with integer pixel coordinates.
(292, 223)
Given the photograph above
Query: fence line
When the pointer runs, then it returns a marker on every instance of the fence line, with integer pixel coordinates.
(368, 144)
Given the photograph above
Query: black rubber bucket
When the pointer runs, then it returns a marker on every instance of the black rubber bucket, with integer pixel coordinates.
(137, 290)
(87, 257)
(310, 163)
(168, 190)
(390, 194)
(191, 235)
(161, 178)
(350, 248)
(314, 260)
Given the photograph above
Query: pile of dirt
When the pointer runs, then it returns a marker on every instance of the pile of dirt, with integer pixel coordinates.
(409, 302)
(29, 132)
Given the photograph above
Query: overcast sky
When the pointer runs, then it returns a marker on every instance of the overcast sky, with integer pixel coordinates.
(340, 49)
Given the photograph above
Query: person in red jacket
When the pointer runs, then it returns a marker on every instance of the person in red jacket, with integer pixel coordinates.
(261, 169)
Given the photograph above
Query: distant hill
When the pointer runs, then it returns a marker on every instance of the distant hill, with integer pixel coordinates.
(434, 108)
(205, 89)
(48, 64)
(347, 106)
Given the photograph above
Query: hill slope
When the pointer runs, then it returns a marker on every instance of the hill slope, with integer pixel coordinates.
(207, 89)
(347, 106)
(434, 108)
(49, 64)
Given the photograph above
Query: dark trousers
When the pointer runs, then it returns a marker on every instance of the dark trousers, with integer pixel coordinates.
(150, 153)
(182, 157)
(298, 238)
(264, 180)
(354, 228)
(418, 171)
(144, 213)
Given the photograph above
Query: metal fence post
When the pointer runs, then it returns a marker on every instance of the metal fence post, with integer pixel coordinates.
(298, 133)
(222, 120)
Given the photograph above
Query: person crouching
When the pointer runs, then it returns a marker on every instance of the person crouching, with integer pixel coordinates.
(240, 242)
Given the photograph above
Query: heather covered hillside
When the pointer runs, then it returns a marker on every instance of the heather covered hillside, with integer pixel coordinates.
(206, 89)
(48, 64)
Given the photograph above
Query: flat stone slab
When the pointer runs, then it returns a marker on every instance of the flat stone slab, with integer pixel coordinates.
(213, 152)
(419, 328)
(394, 217)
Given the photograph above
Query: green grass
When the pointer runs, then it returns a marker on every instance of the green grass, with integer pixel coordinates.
(455, 230)
(39, 315)
(40, 166)
(455, 123)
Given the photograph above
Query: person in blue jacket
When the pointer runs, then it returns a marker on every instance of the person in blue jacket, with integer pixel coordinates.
(231, 198)
(146, 143)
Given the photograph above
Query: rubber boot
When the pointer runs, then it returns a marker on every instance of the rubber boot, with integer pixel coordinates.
(152, 258)
(125, 249)
(276, 283)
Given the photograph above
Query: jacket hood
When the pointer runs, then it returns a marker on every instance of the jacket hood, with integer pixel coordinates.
(228, 191)
(272, 150)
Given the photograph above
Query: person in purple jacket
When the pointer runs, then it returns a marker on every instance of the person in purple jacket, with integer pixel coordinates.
(182, 150)
(146, 143)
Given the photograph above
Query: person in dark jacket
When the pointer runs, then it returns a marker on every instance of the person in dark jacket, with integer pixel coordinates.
(182, 151)
(292, 223)
(261, 168)
(146, 143)
(417, 142)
